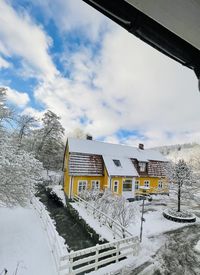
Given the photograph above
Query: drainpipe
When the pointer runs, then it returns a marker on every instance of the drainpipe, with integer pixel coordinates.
(71, 181)
(69, 187)
(133, 187)
(110, 183)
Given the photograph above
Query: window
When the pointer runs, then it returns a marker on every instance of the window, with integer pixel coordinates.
(142, 166)
(82, 185)
(137, 183)
(95, 184)
(147, 183)
(117, 162)
(115, 186)
(127, 185)
(160, 184)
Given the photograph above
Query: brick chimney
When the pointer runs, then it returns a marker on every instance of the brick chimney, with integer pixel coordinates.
(141, 146)
(89, 137)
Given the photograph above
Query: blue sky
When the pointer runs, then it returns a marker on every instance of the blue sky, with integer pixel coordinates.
(65, 56)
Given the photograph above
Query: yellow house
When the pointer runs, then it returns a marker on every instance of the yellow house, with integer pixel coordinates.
(90, 164)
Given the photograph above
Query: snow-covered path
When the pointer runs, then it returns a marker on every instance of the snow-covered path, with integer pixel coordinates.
(23, 243)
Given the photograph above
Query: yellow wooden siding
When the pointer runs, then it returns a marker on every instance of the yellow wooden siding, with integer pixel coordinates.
(153, 185)
(105, 180)
(89, 180)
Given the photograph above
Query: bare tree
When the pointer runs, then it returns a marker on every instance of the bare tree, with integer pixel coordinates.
(124, 212)
(182, 180)
(25, 124)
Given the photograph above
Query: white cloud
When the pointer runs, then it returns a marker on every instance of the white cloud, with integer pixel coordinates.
(126, 85)
(3, 63)
(18, 98)
(136, 88)
(23, 38)
(33, 112)
(74, 15)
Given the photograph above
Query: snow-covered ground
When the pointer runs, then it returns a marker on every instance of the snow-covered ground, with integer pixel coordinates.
(23, 243)
(154, 227)
(58, 190)
(103, 231)
(154, 224)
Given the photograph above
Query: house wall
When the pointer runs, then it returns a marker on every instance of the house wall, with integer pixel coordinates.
(105, 180)
(153, 185)
(89, 180)
(66, 173)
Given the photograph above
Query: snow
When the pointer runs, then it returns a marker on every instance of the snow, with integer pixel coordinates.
(126, 169)
(185, 215)
(58, 190)
(103, 231)
(154, 224)
(109, 149)
(23, 243)
(197, 246)
(148, 248)
(54, 176)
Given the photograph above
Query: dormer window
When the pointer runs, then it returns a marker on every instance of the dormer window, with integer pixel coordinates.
(142, 166)
(117, 162)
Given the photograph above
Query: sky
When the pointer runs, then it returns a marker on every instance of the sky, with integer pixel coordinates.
(65, 56)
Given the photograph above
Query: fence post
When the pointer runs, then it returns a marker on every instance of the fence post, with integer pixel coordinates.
(136, 248)
(70, 262)
(117, 253)
(97, 257)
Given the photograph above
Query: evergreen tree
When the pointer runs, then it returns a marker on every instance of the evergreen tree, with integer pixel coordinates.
(50, 146)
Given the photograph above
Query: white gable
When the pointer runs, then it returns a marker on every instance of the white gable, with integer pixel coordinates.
(126, 167)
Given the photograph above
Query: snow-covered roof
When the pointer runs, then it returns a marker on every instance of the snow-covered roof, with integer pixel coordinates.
(126, 167)
(108, 149)
(151, 154)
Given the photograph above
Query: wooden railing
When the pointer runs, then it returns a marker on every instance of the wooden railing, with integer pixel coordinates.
(116, 228)
(95, 257)
(58, 249)
(88, 259)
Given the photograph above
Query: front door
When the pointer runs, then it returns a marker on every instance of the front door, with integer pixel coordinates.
(127, 188)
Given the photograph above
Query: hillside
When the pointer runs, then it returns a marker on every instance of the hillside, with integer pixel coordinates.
(190, 152)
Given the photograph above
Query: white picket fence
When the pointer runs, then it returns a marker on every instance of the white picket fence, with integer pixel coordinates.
(116, 228)
(58, 249)
(92, 258)
(87, 259)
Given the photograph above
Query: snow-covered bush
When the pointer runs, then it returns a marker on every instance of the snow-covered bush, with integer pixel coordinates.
(118, 208)
(19, 172)
(125, 212)
(90, 195)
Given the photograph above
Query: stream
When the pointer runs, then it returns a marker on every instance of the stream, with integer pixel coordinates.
(76, 237)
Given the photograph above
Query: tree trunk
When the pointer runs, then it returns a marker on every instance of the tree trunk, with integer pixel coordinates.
(179, 198)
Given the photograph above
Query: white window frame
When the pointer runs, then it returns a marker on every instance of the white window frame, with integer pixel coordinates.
(160, 184)
(147, 183)
(127, 181)
(142, 166)
(81, 182)
(137, 183)
(94, 184)
(115, 182)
